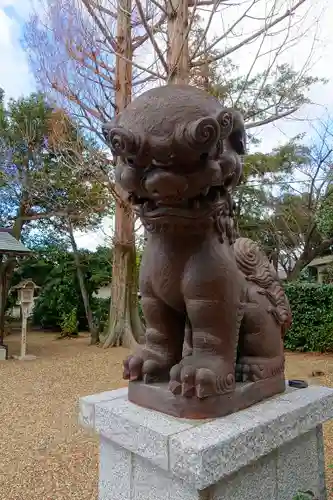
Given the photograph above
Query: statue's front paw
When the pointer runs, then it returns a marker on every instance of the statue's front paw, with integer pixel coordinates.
(142, 367)
(132, 368)
(201, 377)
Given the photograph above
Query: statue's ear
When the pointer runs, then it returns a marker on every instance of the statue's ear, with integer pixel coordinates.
(226, 120)
(125, 143)
(237, 137)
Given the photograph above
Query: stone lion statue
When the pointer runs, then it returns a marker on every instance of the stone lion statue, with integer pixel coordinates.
(215, 311)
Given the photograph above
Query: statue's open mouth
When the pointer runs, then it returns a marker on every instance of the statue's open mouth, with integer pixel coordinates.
(194, 207)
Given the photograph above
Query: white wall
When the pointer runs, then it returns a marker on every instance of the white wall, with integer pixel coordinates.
(104, 292)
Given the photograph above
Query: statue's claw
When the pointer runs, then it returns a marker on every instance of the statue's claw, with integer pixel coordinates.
(143, 367)
(201, 377)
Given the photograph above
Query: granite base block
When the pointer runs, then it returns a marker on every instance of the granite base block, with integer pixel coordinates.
(269, 451)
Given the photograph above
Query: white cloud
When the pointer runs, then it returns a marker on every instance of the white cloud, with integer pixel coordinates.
(22, 7)
(5, 30)
(15, 77)
(100, 237)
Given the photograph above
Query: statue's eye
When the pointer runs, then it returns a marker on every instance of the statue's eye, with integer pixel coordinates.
(130, 161)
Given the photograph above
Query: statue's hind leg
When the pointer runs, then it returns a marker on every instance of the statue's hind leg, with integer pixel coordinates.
(260, 348)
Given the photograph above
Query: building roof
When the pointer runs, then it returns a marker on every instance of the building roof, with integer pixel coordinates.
(321, 261)
(10, 245)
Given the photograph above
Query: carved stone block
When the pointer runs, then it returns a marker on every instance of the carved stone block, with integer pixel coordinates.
(269, 451)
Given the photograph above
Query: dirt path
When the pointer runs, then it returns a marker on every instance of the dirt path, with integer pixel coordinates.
(44, 454)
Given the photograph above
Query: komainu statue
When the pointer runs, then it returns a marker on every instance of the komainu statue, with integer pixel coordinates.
(215, 311)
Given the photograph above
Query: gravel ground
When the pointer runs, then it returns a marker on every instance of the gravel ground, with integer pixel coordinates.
(44, 455)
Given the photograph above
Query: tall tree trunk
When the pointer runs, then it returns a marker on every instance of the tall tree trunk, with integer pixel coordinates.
(298, 267)
(6, 271)
(94, 335)
(3, 298)
(307, 256)
(124, 326)
(177, 56)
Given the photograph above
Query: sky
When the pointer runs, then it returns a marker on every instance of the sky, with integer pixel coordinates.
(16, 80)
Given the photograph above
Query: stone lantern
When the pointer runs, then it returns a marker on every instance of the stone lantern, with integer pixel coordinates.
(26, 291)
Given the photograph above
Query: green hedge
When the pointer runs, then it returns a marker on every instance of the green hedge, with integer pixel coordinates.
(101, 309)
(312, 310)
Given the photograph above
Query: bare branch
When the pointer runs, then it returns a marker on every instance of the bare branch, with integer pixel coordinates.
(270, 119)
(252, 37)
(98, 22)
(103, 9)
(140, 40)
(151, 35)
(225, 34)
(204, 35)
(160, 7)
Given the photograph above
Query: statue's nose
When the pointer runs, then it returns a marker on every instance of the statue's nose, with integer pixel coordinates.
(165, 184)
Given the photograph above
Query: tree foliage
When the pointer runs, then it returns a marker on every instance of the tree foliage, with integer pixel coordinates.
(45, 167)
(325, 212)
(312, 309)
(284, 201)
(46, 179)
(53, 268)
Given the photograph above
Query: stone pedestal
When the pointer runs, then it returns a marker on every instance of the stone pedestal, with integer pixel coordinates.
(25, 357)
(270, 451)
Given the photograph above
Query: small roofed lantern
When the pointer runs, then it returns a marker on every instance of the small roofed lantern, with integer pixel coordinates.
(27, 294)
(26, 291)
(10, 250)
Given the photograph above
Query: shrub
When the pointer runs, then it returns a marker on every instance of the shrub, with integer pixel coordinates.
(69, 323)
(312, 310)
(100, 309)
(57, 299)
(308, 495)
